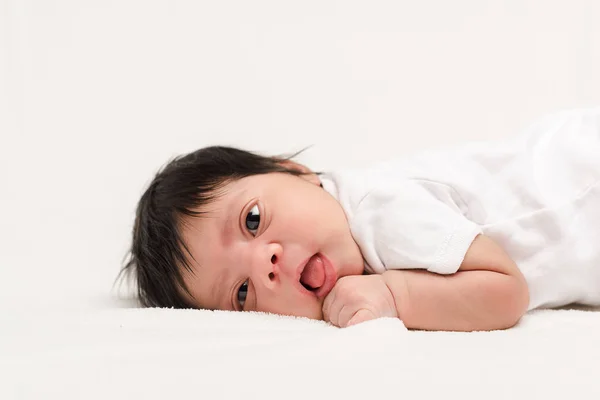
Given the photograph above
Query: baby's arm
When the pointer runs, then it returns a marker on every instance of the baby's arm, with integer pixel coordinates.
(488, 292)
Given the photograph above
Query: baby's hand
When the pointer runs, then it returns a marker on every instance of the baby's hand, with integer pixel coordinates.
(358, 298)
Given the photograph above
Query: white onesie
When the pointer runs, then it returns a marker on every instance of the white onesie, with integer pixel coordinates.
(536, 195)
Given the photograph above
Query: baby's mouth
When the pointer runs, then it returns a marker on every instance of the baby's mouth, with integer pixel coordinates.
(313, 274)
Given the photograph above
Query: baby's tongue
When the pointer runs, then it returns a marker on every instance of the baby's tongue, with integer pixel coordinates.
(314, 273)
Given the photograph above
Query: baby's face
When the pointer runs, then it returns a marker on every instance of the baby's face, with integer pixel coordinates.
(274, 243)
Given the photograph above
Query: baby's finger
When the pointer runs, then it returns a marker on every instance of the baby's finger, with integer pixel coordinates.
(345, 315)
(361, 315)
(335, 310)
(327, 305)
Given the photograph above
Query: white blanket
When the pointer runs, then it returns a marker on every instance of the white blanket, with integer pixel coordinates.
(163, 353)
(96, 95)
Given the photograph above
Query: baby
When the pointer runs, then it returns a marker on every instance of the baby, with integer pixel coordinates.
(463, 239)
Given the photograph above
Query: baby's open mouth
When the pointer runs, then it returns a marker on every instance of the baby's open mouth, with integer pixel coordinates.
(307, 287)
(313, 274)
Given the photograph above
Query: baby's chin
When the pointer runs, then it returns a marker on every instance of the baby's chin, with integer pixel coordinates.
(316, 315)
(311, 310)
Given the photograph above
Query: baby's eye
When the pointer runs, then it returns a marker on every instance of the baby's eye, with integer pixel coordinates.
(242, 293)
(253, 220)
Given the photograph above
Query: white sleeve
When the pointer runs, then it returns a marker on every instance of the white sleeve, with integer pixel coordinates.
(413, 225)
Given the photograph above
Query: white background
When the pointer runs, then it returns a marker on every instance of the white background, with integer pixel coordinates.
(96, 95)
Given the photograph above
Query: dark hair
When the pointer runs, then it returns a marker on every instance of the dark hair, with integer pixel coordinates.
(180, 189)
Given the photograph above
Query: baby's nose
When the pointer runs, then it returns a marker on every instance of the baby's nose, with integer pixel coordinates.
(267, 266)
(273, 262)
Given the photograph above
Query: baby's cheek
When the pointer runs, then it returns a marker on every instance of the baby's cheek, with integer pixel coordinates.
(298, 307)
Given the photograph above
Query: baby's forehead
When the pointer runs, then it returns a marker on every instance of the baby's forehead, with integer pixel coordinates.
(212, 205)
(206, 239)
(217, 215)
(205, 224)
(212, 225)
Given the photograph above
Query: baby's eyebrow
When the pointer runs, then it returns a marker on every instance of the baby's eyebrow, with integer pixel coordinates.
(227, 235)
(216, 292)
(231, 213)
(227, 228)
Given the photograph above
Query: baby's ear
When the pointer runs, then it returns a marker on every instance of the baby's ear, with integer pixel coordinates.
(308, 175)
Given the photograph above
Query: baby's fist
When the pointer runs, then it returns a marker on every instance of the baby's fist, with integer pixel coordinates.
(358, 298)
